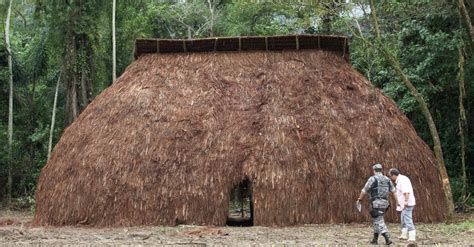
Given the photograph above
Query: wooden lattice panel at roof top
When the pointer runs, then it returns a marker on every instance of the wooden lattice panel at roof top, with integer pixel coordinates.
(337, 44)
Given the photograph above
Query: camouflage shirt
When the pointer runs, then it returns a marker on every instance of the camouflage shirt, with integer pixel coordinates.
(382, 191)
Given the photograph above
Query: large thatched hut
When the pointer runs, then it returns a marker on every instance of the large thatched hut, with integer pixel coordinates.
(190, 120)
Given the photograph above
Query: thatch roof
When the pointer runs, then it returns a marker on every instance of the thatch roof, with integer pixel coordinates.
(168, 141)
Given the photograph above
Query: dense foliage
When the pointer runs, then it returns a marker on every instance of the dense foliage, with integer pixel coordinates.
(73, 38)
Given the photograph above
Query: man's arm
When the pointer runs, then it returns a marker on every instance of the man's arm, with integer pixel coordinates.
(406, 194)
(393, 191)
(366, 188)
(361, 196)
(405, 189)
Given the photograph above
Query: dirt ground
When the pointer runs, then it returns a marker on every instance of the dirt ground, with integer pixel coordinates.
(15, 229)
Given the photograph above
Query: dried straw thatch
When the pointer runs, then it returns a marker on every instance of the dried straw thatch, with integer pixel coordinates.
(168, 141)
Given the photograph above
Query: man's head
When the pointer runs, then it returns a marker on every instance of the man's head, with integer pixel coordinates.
(377, 168)
(394, 172)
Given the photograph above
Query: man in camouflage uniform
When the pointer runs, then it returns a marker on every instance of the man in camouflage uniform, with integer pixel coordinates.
(378, 187)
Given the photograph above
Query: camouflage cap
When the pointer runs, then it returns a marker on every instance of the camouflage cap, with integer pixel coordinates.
(377, 166)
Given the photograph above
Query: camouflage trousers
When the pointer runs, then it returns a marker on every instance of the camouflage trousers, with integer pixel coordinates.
(379, 225)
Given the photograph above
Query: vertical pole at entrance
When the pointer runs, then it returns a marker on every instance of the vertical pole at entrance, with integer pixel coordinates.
(241, 197)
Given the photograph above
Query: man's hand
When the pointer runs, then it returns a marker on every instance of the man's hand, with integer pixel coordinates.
(406, 199)
(361, 195)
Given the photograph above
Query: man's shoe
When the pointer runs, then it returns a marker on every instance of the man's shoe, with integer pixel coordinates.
(404, 234)
(412, 235)
(387, 238)
(375, 239)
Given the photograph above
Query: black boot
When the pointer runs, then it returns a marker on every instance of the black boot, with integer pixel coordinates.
(376, 239)
(387, 238)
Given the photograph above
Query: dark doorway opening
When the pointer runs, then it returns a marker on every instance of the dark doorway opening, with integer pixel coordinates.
(241, 205)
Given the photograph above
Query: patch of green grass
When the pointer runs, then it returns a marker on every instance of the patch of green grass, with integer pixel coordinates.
(467, 225)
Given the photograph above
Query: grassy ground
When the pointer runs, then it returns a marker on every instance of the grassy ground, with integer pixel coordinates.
(14, 229)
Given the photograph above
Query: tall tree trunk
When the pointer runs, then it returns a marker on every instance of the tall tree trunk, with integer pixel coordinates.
(114, 62)
(77, 76)
(467, 22)
(424, 109)
(462, 120)
(190, 36)
(211, 22)
(10, 105)
(53, 117)
(84, 99)
(71, 84)
(78, 57)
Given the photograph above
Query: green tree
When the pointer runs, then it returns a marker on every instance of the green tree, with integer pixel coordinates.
(75, 25)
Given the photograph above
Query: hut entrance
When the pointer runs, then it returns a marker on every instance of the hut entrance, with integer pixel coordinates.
(241, 205)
